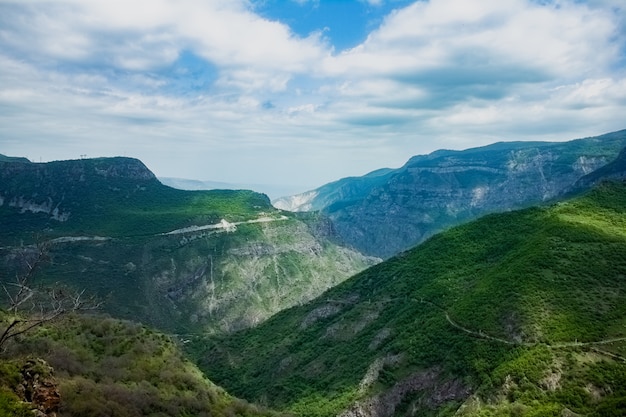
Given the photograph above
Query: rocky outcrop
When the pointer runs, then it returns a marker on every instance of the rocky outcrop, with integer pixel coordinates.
(39, 388)
(422, 390)
(615, 170)
(46, 206)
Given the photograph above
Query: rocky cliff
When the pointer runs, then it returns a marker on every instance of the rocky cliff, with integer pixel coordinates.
(390, 211)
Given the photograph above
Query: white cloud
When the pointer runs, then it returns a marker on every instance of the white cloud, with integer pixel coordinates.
(144, 35)
(269, 105)
(463, 34)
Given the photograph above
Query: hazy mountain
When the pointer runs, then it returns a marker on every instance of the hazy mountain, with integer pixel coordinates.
(5, 158)
(207, 261)
(273, 191)
(345, 190)
(388, 211)
(518, 313)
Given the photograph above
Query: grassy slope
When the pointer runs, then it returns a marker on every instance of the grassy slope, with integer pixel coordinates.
(116, 368)
(541, 279)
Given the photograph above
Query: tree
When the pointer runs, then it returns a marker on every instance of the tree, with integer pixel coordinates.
(27, 307)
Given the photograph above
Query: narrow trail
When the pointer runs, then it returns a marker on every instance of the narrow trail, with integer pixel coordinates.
(222, 226)
(482, 335)
(225, 225)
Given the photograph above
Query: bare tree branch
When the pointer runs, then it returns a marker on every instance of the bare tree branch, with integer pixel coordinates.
(28, 307)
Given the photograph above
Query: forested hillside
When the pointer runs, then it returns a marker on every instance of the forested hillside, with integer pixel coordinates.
(520, 313)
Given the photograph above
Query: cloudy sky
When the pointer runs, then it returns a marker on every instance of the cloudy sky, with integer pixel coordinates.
(302, 92)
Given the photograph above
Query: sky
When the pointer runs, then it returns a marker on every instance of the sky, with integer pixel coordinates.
(299, 93)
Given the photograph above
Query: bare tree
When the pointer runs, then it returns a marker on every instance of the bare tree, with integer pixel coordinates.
(28, 307)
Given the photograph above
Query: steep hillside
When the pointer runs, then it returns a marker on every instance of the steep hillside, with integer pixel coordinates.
(184, 261)
(520, 313)
(92, 366)
(389, 211)
(613, 170)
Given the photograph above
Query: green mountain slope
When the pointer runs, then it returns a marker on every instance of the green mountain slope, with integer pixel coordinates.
(114, 197)
(521, 313)
(185, 261)
(92, 366)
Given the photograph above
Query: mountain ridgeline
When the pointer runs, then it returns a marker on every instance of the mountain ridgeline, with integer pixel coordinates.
(391, 210)
(184, 261)
(518, 313)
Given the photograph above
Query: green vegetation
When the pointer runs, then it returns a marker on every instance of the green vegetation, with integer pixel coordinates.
(116, 368)
(10, 404)
(521, 313)
(112, 197)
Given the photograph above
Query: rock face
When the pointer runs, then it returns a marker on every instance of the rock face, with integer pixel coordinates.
(611, 171)
(434, 390)
(389, 211)
(229, 281)
(39, 388)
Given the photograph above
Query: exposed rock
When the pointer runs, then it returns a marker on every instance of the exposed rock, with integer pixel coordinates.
(374, 370)
(319, 313)
(347, 330)
(426, 388)
(39, 388)
(380, 337)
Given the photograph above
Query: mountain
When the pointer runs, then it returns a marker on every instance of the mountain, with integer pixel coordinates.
(613, 170)
(273, 191)
(96, 366)
(184, 261)
(5, 158)
(388, 211)
(345, 190)
(517, 313)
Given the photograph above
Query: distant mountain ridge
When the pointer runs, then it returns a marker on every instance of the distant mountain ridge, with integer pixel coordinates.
(273, 191)
(345, 189)
(4, 158)
(391, 210)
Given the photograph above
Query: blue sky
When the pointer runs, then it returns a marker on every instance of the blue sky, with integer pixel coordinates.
(302, 92)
